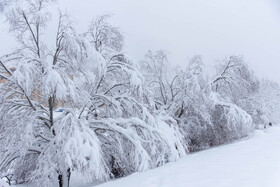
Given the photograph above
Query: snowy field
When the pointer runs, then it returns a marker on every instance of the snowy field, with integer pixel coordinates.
(253, 162)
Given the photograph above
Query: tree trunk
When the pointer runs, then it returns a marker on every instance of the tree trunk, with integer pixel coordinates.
(51, 103)
(60, 180)
(64, 179)
(68, 177)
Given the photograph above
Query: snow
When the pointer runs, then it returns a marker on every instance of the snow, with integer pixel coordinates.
(3, 183)
(252, 162)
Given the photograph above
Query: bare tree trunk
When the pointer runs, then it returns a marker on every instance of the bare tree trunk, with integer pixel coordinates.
(51, 103)
(64, 178)
(60, 180)
(68, 176)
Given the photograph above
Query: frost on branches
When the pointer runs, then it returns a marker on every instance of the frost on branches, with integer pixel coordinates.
(80, 105)
(106, 129)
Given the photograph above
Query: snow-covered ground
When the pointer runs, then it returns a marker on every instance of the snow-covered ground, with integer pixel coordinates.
(3, 183)
(253, 162)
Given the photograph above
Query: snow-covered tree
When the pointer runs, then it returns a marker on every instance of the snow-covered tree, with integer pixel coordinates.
(237, 82)
(105, 37)
(235, 79)
(162, 84)
(43, 79)
(204, 117)
(133, 136)
(106, 129)
(268, 99)
(119, 116)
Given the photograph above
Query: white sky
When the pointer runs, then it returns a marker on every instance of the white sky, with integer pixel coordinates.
(212, 28)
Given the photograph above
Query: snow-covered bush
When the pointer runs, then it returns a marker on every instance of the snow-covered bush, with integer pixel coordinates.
(267, 100)
(230, 122)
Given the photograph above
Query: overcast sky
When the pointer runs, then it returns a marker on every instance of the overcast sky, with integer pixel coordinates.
(212, 28)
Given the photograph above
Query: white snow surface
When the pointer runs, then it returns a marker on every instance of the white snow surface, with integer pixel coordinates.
(252, 162)
(3, 183)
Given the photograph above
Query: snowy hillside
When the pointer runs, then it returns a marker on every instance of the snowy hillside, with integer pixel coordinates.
(253, 162)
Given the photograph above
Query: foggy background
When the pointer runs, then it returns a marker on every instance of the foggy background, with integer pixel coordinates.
(211, 28)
